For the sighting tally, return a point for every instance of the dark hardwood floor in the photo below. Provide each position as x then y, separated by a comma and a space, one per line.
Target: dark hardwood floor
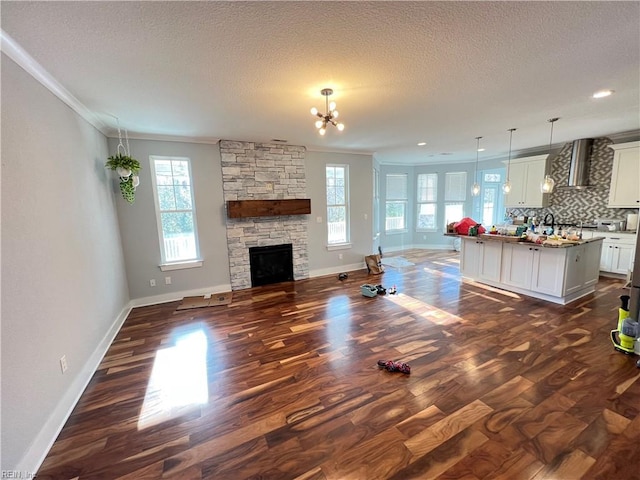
283, 384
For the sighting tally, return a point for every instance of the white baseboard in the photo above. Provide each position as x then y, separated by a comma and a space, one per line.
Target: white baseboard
321, 272
418, 246
37, 452
175, 296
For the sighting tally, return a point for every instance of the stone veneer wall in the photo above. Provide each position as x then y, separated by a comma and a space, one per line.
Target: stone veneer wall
263, 171
573, 206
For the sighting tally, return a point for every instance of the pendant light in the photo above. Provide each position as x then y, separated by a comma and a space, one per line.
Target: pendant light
475, 189
546, 185
506, 186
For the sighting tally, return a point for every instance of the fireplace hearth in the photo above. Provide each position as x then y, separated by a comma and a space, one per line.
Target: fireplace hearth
271, 264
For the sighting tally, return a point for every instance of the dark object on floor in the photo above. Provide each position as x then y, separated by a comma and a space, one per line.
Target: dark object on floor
393, 290
342, 276
392, 366
381, 290
368, 290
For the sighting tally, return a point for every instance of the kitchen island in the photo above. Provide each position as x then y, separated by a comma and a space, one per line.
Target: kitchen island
558, 274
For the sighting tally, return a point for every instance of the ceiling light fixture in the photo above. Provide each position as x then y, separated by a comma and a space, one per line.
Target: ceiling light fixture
546, 185
506, 186
602, 93
328, 117
422, 144
475, 189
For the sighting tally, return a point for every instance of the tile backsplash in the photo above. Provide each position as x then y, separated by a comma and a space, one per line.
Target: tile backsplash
572, 205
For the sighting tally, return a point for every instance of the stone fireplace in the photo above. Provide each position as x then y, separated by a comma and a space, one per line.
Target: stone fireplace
263, 171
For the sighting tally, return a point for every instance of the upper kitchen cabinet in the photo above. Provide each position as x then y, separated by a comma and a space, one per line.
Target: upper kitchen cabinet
525, 175
625, 177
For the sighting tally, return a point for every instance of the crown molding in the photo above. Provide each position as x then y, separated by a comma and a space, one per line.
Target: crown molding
165, 138
19, 55
337, 150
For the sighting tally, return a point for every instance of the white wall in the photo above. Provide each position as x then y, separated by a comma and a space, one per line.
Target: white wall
139, 229
64, 289
321, 260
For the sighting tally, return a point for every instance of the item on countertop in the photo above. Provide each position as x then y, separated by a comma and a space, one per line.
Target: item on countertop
462, 227
493, 230
392, 366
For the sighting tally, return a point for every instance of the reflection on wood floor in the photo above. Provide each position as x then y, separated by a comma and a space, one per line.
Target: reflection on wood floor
283, 384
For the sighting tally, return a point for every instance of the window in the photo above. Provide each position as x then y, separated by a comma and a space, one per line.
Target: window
337, 177
396, 203
175, 209
488, 206
426, 201
376, 202
455, 194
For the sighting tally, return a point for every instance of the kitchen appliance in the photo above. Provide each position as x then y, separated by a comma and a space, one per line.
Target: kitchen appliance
632, 221
580, 163
610, 224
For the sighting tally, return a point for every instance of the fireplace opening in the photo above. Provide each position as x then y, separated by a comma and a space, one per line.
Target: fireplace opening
271, 264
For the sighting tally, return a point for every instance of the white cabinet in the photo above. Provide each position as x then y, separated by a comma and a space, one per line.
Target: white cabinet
582, 268
618, 252
481, 259
625, 176
525, 175
533, 267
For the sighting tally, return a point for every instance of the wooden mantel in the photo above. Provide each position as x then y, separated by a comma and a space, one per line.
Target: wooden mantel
268, 208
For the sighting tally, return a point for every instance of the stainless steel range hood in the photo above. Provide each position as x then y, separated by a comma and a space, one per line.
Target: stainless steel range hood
580, 163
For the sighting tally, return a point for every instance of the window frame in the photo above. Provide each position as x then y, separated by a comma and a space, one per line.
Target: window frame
347, 241
403, 201
433, 202
165, 264
450, 197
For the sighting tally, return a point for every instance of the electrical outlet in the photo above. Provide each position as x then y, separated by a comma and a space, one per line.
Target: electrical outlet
152, 282
167, 280
63, 363
340, 256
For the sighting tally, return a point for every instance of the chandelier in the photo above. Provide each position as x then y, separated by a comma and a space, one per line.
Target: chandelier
328, 117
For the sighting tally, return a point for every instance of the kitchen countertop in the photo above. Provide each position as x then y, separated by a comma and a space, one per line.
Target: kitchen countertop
518, 241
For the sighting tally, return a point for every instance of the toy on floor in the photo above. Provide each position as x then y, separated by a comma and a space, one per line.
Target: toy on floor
392, 366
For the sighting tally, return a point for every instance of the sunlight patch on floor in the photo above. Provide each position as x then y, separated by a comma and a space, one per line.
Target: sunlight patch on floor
436, 315
178, 380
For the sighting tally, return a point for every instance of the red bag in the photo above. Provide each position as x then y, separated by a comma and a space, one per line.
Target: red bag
462, 227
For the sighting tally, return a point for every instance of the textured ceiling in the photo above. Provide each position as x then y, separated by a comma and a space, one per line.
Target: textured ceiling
402, 72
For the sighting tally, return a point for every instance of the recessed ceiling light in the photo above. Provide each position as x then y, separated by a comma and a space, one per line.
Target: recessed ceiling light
422, 144
602, 93
481, 149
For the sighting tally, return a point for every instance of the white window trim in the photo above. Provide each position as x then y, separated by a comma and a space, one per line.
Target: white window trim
347, 206
179, 265
339, 246
418, 203
405, 200
166, 267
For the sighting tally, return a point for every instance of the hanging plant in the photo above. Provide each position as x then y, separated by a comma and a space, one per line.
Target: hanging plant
126, 167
